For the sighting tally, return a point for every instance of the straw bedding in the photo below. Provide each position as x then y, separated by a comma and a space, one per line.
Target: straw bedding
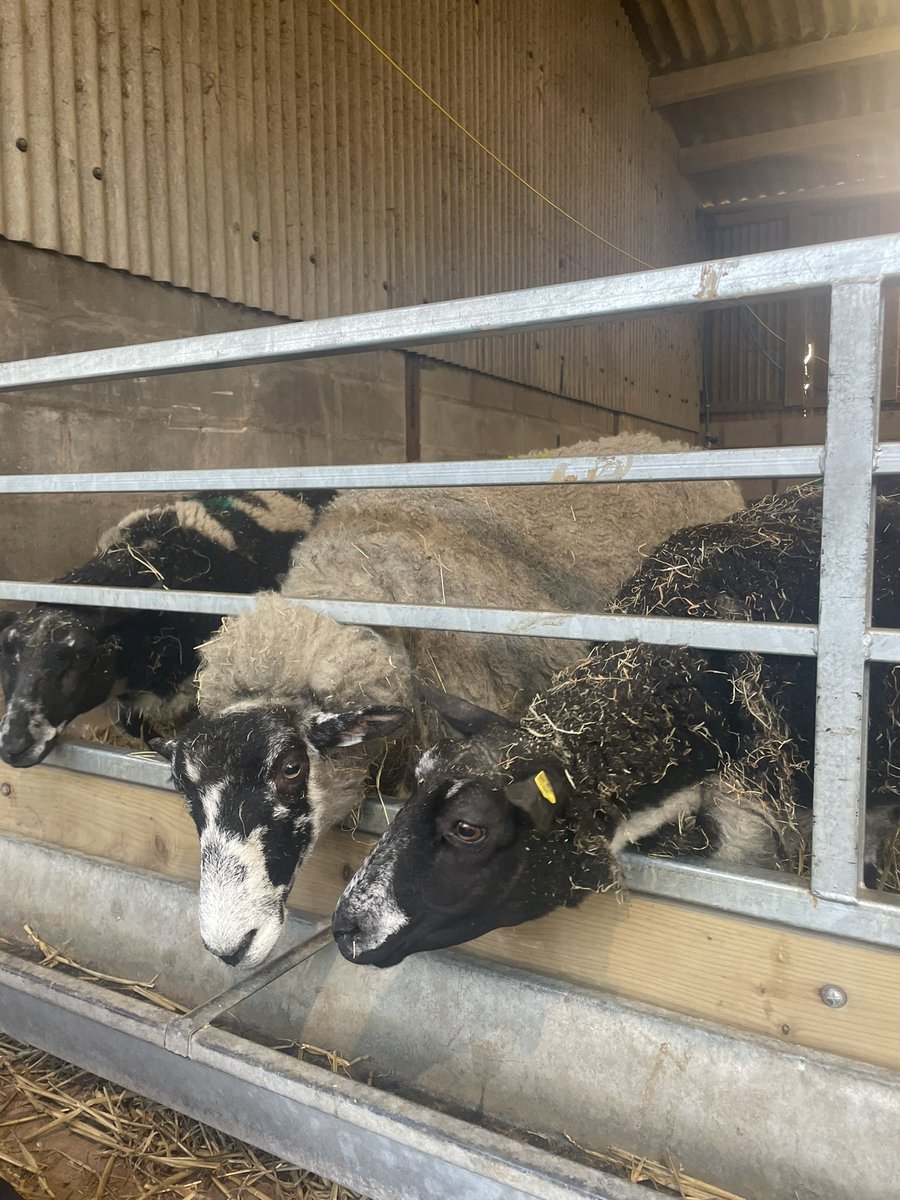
67, 1134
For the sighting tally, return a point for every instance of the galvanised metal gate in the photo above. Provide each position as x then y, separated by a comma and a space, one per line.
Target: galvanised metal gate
855, 272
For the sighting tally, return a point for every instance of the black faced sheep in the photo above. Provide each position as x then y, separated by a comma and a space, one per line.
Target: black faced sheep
57, 662
284, 692
677, 750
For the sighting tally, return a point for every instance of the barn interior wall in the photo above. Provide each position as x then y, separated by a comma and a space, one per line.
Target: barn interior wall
262, 152
760, 388
346, 409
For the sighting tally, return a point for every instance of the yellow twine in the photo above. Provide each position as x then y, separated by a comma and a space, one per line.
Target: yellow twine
505, 165
481, 146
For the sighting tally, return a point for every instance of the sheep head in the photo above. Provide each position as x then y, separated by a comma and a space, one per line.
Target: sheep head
485, 842
260, 783
54, 665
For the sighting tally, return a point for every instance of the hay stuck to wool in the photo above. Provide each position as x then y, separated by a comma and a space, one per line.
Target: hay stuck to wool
887, 867
631, 715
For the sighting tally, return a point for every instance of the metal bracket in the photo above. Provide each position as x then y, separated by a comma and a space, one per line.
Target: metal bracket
180, 1030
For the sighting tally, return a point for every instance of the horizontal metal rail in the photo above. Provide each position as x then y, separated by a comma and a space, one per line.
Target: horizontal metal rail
146, 769
766, 895
883, 645
787, 462
764, 462
765, 637
697, 285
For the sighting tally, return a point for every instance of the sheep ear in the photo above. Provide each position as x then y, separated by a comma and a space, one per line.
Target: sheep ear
543, 796
7, 617
330, 730
164, 747
461, 715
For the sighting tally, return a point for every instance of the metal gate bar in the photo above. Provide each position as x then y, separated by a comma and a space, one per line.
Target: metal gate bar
845, 601
695, 286
763, 463
855, 271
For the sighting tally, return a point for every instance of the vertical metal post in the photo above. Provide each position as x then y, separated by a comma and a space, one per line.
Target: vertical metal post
846, 582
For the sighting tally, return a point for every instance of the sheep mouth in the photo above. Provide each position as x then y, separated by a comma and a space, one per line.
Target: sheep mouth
387, 954
30, 756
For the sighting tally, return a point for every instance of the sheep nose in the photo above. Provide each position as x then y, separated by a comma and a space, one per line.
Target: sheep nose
16, 745
345, 929
13, 733
239, 951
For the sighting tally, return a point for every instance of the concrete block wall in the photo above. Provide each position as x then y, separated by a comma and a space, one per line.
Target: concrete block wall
467, 415
348, 409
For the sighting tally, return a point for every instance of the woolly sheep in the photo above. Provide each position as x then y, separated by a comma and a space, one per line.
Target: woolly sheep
672, 749
58, 661
285, 693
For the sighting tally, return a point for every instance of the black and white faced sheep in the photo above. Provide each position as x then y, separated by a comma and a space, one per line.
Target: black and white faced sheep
274, 675
675, 750
57, 662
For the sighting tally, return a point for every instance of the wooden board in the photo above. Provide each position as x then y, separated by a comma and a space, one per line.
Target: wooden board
740, 972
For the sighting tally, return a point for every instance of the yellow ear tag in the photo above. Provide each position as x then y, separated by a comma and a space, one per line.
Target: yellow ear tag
545, 787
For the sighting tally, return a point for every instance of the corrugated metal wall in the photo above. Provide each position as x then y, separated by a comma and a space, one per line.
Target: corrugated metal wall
741, 355
754, 365
261, 151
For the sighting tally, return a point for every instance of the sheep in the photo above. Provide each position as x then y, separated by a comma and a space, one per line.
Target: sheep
675, 750
287, 696
57, 662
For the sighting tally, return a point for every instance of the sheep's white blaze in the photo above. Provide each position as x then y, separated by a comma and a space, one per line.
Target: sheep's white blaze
211, 799
369, 898
678, 804
191, 769
5, 724
237, 897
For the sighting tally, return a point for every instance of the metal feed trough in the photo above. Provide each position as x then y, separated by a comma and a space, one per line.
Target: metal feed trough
390, 1146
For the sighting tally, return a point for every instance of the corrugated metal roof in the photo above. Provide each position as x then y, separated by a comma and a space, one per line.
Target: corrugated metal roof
679, 34
674, 34
851, 90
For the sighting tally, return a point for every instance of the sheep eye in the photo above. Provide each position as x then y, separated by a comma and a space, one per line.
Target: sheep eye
467, 833
292, 770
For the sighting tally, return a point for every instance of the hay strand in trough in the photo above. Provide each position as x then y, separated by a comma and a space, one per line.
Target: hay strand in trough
146, 989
